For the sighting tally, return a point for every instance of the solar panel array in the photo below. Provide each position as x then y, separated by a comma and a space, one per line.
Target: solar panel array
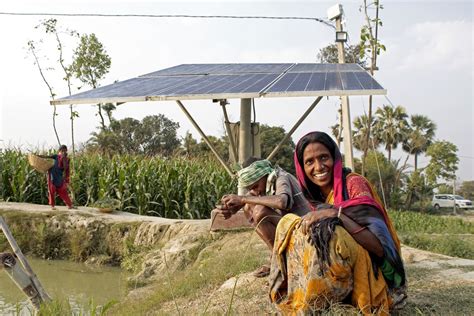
227, 81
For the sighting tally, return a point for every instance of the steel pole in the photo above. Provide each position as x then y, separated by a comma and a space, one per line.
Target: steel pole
346, 115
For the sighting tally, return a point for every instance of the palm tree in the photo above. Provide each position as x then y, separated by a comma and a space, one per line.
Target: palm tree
360, 137
420, 135
391, 126
336, 132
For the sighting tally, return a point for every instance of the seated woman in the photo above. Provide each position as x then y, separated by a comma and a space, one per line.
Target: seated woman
344, 251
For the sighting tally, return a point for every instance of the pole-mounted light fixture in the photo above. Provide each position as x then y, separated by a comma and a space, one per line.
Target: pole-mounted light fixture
341, 37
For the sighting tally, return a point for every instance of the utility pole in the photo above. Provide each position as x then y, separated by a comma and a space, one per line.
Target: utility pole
454, 196
335, 13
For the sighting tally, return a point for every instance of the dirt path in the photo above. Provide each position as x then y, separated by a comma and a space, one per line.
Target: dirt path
115, 216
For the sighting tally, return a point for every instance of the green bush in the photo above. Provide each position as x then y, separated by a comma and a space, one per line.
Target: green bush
451, 245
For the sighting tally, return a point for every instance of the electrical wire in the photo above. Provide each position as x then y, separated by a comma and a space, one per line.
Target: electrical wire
325, 22
376, 161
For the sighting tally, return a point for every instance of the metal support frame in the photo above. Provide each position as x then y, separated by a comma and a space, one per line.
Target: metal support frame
245, 130
234, 153
206, 140
297, 124
43, 296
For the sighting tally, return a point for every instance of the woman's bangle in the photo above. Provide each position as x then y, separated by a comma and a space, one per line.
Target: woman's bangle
339, 212
358, 230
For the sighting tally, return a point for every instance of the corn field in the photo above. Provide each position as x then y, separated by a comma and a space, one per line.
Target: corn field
175, 187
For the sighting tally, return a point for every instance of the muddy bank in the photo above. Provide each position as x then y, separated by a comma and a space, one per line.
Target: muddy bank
119, 239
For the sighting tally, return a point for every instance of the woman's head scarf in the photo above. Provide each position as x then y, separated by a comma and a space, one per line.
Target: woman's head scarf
310, 190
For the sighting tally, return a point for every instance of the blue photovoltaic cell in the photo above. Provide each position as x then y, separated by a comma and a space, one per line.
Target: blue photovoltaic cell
197, 69
350, 81
245, 83
326, 68
204, 81
134, 87
317, 82
367, 82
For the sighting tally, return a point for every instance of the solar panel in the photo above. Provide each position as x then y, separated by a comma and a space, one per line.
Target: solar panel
221, 81
220, 69
326, 68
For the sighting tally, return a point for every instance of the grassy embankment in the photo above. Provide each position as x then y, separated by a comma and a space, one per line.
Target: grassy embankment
196, 288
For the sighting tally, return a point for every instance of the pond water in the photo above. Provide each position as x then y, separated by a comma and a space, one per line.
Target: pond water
76, 282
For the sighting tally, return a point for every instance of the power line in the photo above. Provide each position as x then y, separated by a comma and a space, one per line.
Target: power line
325, 22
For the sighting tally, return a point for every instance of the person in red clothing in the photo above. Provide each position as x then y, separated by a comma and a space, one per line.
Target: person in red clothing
58, 178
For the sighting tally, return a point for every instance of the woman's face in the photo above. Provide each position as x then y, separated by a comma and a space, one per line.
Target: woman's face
318, 166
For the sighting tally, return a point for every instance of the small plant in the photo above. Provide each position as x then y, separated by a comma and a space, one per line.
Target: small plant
106, 204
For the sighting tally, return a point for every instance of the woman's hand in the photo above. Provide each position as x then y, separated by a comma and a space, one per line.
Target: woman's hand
312, 217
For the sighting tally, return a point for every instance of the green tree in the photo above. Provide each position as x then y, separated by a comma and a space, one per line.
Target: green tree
359, 137
91, 63
270, 136
383, 175
467, 190
390, 127
221, 144
443, 161
417, 188
352, 55
189, 144
445, 188
370, 46
420, 134
51, 27
154, 135
158, 135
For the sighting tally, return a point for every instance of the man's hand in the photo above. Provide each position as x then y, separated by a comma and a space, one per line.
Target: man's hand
232, 202
224, 213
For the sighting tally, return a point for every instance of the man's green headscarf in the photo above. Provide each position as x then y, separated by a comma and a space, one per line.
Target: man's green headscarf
254, 172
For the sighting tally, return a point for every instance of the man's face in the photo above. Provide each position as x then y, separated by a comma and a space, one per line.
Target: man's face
63, 152
258, 188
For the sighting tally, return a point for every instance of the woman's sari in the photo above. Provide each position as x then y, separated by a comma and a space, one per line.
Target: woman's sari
297, 285
354, 275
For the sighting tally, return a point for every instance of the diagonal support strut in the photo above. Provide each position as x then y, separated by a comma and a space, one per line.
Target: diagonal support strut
297, 124
206, 140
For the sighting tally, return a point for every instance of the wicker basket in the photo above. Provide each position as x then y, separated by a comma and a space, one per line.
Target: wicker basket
106, 209
40, 164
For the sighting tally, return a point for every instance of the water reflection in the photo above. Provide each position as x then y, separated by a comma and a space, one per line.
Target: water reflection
76, 282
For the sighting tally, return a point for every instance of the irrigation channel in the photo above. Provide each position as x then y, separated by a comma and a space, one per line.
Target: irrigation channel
65, 280
87, 235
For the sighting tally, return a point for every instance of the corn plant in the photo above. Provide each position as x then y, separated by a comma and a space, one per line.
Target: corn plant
174, 187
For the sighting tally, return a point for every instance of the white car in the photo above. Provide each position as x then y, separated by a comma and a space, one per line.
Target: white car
447, 200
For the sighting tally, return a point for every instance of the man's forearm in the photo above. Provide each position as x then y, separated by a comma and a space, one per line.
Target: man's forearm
274, 201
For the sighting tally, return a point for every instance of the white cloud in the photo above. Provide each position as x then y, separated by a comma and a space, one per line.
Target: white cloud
436, 44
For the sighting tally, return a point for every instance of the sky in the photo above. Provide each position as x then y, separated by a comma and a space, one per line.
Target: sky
427, 67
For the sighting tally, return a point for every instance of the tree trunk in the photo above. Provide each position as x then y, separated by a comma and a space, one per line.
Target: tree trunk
416, 161
54, 125
102, 121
